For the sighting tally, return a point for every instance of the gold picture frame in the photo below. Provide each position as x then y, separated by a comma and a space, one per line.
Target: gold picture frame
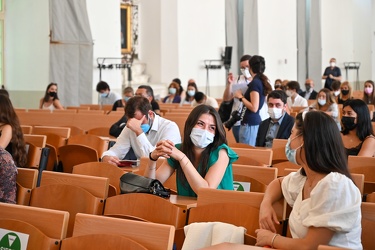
126, 32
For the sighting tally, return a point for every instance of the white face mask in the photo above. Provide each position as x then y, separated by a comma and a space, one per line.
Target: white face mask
322, 102
275, 113
336, 93
172, 91
333, 64
289, 93
291, 153
201, 138
191, 92
246, 72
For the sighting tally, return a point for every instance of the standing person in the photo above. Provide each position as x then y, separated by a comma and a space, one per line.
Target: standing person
294, 99
233, 84
310, 93
126, 95
8, 178
11, 136
50, 100
106, 96
253, 100
331, 73
190, 92
147, 92
143, 130
326, 203
326, 103
346, 92
279, 125
203, 159
357, 132
368, 92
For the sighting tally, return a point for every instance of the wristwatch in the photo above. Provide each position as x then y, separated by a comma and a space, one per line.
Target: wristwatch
240, 99
152, 159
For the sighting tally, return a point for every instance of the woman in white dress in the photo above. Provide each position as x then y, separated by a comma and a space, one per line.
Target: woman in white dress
326, 203
50, 100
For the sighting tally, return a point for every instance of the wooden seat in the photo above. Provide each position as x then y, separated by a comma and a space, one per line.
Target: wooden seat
26, 129
278, 148
72, 193
34, 154
26, 181
100, 241
370, 197
90, 140
285, 165
325, 247
91, 111
100, 131
255, 185
368, 225
71, 111
71, 155
36, 140
101, 169
154, 208
76, 131
363, 165
239, 145
52, 161
248, 155
45, 227
262, 174
150, 235
45, 130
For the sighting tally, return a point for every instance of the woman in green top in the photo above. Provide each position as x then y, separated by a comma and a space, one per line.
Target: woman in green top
202, 160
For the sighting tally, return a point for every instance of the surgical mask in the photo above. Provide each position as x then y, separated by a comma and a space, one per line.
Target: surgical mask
246, 72
103, 95
126, 98
172, 91
344, 91
201, 138
336, 93
275, 113
368, 90
333, 64
348, 122
52, 94
291, 153
146, 127
322, 102
289, 93
191, 92
308, 87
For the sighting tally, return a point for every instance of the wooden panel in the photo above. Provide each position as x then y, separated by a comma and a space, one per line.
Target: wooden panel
45, 130
27, 177
263, 156
262, 174
36, 140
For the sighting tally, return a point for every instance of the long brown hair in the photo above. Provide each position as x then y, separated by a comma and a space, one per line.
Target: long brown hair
9, 116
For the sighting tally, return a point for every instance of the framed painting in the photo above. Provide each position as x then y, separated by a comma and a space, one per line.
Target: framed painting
125, 17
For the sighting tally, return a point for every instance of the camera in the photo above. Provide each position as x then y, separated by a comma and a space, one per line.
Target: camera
235, 117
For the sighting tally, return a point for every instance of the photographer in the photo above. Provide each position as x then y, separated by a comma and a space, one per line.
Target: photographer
279, 125
233, 84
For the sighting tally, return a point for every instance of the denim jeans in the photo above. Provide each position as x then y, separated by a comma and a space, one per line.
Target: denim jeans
248, 134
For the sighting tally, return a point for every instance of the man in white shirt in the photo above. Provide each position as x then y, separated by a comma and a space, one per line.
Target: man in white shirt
105, 94
143, 130
200, 98
294, 99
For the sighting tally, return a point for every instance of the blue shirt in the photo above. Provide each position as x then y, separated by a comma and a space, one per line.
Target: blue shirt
250, 118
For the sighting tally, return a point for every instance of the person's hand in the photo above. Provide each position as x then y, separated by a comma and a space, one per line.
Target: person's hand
267, 217
135, 125
264, 237
230, 78
331, 76
238, 94
111, 159
166, 149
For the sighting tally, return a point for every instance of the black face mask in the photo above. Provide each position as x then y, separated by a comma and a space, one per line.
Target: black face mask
277, 86
344, 91
308, 87
348, 122
52, 94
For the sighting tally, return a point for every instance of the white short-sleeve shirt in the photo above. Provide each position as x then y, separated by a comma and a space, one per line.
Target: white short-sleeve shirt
334, 203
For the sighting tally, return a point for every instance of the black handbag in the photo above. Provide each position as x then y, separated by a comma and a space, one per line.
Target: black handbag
133, 183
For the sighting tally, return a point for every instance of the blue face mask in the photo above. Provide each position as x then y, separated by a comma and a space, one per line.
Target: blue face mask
146, 127
191, 92
172, 91
126, 98
103, 95
291, 153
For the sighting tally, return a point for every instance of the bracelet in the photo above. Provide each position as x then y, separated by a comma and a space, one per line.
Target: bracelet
240, 99
273, 239
149, 156
182, 158
151, 168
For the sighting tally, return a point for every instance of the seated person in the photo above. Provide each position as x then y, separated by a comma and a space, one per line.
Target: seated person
143, 130
106, 96
126, 95
294, 99
190, 92
357, 131
346, 92
326, 204
279, 125
8, 178
202, 160
148, 92
336, 89
310, 93
173, 94
50, 100
200, 98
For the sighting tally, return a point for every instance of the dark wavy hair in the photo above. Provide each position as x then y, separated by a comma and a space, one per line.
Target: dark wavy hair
9, 116
364, 126
47, 96
258, 66
137, 103
323, 146
187, 144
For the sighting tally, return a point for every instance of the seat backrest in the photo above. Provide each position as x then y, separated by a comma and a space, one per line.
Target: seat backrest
90, 140
100, 241
278, 148
44, 130
71, 155
285, 165
151, 235
255, 185
26, 181
26, 129
154, 208
37, 140
370, 197
52, 223
262, 174
362, 165
97, 186
325, 247
101, 169
264, 156
52, 161
100, 131
34, 154
368, 225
